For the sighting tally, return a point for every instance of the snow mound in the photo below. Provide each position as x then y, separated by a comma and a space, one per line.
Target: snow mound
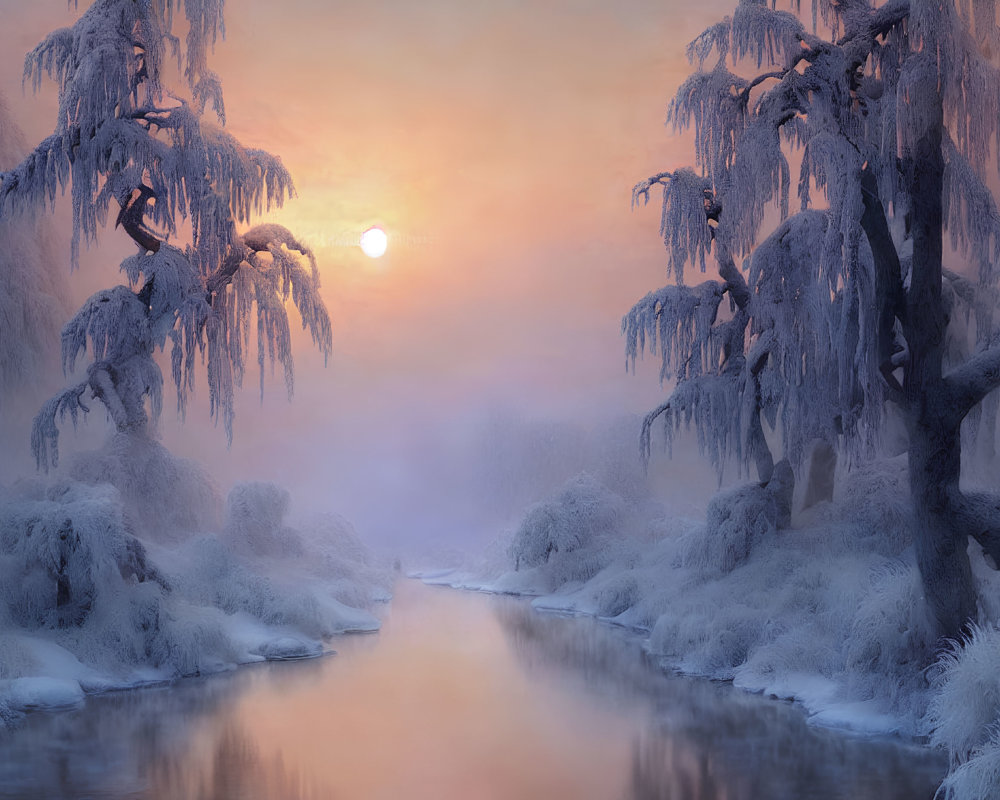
828, 611
288, 648
89, 601
29, 694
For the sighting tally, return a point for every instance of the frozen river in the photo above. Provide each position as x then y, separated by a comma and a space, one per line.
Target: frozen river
460, 696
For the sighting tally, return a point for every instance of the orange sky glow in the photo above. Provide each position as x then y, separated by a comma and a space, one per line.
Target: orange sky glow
497, 144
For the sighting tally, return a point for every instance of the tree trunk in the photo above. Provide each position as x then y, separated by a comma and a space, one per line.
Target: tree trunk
940, 540
932, 420
821, 475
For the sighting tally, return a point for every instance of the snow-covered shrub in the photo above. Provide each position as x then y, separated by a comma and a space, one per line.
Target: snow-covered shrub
255, 513
333, 552
292, 592
891, 634
569, 533
873, 499
966, 706
15, 658
617, 595
976, 778
965, 714
698, 641
325, 547
738, 520
64, 551
166, 496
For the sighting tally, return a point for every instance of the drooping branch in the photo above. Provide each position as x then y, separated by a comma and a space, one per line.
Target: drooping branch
645, 434
45, 432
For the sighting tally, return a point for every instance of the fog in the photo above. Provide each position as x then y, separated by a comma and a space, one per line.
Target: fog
491, 326
473, 420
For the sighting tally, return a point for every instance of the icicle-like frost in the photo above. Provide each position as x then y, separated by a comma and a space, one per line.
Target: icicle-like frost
714, 104
971, 216
675, 321
716, 37
683, 222
115, 128
768, 36
121, 141
706, 403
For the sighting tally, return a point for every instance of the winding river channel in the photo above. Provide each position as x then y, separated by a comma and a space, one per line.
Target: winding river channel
459, 696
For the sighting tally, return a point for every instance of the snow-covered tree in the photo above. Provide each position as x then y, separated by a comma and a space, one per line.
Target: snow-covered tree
125, 142
851, 306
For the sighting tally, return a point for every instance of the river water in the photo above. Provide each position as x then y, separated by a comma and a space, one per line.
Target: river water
459, 696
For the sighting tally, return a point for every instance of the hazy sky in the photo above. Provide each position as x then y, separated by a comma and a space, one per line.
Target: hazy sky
497, 143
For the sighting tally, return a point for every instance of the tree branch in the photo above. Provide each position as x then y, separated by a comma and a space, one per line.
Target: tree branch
979, 515
735, 282
642, 188
131, 219
968, 384
103, 387
889, 295
221, 278
645, 432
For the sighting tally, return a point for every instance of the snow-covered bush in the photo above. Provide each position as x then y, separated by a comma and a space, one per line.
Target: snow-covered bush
333, 552
255, 513
965, 714
325, 547
166, 496
966, 706
976, 778
65, 551
86, 602
569, 533
738, 520
874, 500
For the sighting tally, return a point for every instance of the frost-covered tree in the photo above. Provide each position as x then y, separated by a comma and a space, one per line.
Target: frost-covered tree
851, 306
125, 143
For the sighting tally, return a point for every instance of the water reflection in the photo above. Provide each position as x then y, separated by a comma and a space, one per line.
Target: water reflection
460, 696
704, 740
175, 741
236, 768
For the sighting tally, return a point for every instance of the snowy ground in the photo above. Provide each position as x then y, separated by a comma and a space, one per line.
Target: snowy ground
828, 612
109, 586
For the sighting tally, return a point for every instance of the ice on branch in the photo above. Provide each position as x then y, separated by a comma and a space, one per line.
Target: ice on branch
766, 35
675, 321
126, 145
853, 316
683, 223
714, 102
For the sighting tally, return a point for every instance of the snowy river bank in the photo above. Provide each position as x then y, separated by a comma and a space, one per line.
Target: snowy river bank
459, 695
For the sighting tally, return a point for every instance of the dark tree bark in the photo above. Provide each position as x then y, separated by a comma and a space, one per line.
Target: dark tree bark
933, 420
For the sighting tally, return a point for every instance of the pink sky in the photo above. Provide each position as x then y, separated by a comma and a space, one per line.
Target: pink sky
497, 143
